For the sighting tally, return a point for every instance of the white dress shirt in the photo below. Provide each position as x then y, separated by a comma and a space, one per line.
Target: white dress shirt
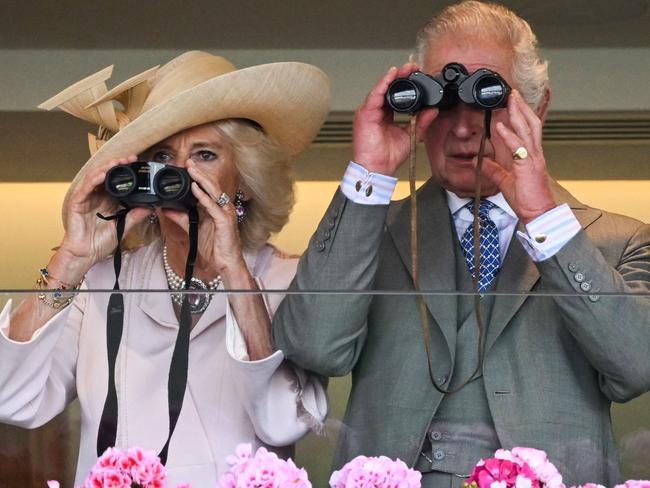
544, 236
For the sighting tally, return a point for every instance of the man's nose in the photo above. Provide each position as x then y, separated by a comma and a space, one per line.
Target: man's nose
467, 121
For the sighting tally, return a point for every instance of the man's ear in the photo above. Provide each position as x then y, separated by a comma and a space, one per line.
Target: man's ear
542, 110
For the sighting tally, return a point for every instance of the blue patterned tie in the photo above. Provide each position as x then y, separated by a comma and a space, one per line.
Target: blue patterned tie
489, 245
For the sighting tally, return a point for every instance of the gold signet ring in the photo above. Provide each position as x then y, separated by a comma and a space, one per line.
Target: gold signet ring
520, 153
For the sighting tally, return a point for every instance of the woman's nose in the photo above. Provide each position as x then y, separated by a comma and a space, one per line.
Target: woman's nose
180, 161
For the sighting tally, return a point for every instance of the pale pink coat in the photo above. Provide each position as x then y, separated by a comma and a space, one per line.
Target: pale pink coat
228, 399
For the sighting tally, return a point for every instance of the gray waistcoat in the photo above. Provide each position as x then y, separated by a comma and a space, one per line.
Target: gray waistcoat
462, 431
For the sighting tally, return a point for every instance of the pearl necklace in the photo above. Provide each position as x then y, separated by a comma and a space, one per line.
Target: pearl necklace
198, 301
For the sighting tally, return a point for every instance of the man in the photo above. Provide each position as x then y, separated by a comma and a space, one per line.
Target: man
552, 364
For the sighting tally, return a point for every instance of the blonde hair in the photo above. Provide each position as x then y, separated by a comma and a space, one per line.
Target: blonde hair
498, 23
266, 172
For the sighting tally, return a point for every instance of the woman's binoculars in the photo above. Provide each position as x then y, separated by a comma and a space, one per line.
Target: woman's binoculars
483, 89
150, 184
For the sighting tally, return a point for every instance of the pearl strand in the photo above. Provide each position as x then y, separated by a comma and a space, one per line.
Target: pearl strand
176, 283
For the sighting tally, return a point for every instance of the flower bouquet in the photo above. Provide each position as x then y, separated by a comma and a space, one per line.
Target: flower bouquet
133, 468
521, 467
375, 472
261, 470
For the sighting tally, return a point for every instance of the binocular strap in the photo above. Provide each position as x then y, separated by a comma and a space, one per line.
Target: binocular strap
177, 382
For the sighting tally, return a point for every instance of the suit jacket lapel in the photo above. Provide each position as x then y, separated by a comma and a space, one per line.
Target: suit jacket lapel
436, 259
519, 273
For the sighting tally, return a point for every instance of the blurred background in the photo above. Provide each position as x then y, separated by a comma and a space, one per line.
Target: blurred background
597, 138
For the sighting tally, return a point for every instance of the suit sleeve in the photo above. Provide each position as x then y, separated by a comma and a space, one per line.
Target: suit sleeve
38, 377
609, 318
325, 332
283, 401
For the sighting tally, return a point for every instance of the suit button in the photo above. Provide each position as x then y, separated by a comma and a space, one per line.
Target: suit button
585, 286
442, 379
320, 246
326, 234
579, 277
436, 436
335, 212
594, 298
331, 223
573, 267
438, 455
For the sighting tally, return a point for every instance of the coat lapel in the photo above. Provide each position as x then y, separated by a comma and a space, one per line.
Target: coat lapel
435, 254
516, 278
436, 257
158, 305
519, 273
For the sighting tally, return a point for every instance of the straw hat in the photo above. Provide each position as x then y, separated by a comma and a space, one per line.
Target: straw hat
288, 100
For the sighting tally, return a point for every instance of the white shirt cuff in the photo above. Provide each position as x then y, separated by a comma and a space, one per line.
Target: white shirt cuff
549, 232
5, 321
361, 186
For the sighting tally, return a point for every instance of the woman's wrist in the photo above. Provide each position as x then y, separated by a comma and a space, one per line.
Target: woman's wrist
67, 267
236, 276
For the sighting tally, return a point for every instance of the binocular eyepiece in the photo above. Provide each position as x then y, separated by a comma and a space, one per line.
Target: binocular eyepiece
150, 184
484, 89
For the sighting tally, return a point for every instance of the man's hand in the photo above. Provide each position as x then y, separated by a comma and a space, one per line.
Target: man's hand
523, 182
379, 145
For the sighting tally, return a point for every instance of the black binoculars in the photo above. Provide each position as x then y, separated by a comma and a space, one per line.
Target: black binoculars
150, 184
484, 89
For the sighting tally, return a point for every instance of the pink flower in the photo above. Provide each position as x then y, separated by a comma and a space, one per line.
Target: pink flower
110, 459
133, 467
635, 484
502, 473
589, 485
545, 471
522, 467
375, 472
53, 484
107, 478
262, 470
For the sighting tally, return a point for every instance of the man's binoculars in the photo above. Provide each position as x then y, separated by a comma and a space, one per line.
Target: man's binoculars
483, 89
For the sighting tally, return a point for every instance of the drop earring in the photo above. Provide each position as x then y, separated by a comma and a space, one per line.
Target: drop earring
240, 210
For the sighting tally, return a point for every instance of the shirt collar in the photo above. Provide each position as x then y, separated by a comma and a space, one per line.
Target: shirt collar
456, 203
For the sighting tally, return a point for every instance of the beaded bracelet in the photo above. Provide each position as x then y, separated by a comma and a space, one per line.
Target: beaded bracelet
61, 296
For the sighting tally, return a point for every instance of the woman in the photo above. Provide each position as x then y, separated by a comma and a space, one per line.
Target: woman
234, 131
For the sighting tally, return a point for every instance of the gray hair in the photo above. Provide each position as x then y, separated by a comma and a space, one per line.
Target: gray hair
494, 22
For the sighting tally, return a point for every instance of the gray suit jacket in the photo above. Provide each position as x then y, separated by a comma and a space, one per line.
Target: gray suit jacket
552, 365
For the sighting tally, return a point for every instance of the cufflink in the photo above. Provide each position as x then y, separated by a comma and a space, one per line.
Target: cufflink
540, 238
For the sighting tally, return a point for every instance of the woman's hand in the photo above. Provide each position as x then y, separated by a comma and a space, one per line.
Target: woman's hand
219, 244
89, 239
